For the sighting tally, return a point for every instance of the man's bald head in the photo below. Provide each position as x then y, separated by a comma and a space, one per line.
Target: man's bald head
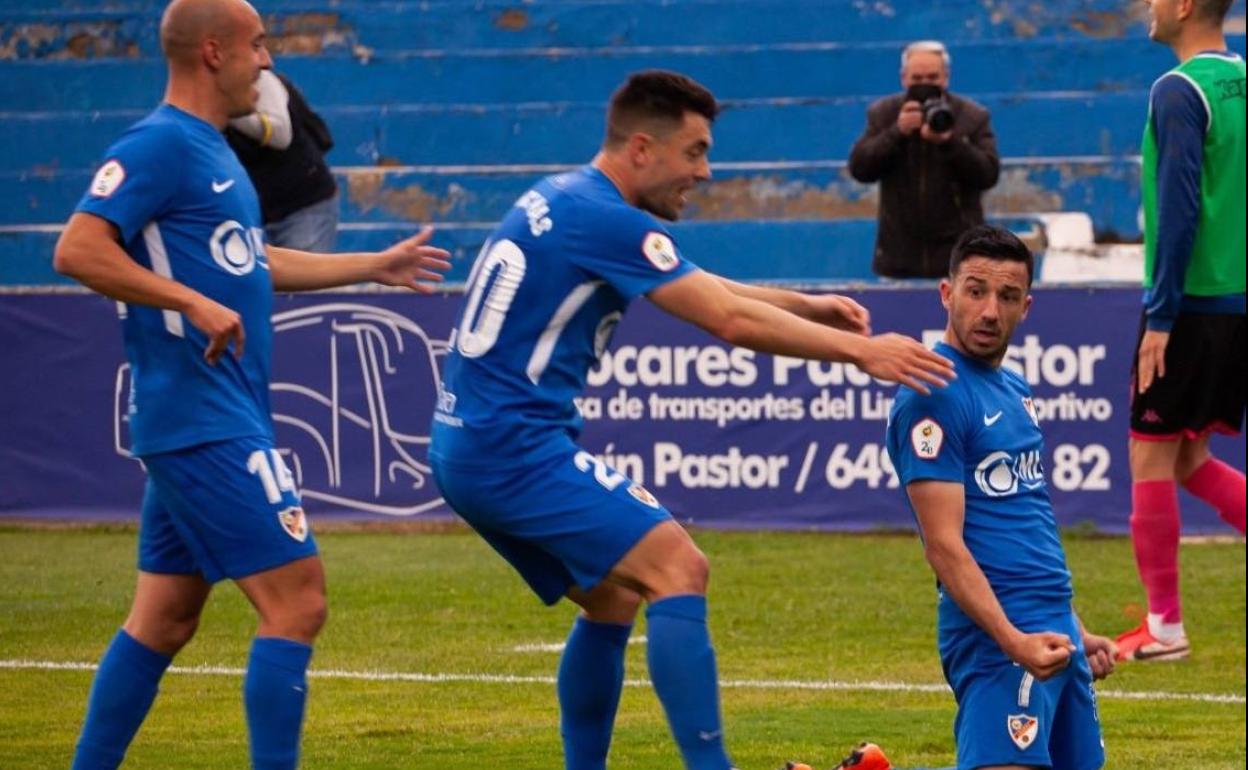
187, 23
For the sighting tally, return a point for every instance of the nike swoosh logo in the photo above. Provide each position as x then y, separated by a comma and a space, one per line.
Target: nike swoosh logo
220, 187
989, 421
1175, 650
704, 735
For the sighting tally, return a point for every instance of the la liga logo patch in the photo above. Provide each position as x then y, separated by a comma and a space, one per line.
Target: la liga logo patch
660, 250
108, 179
926, 437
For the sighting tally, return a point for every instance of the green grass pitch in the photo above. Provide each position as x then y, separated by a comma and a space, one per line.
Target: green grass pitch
805, 626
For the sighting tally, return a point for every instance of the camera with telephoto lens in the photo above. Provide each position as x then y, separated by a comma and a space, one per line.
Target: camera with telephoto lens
937, 113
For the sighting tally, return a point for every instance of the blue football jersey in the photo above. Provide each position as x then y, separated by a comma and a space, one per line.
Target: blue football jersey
542, 301
186, 210
982, 432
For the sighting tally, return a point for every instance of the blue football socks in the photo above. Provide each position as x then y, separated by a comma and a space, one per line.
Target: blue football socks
121, 696
274, 692
682, 667
591, 675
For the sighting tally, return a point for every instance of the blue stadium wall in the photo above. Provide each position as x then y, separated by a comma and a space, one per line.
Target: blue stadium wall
445, 111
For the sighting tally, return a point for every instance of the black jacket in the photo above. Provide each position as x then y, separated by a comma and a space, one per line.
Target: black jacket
929, 193
291, 179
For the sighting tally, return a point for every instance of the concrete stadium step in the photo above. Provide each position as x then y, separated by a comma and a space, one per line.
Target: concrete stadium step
94, 28
1042, 124
789, 250
1107, 189
509, 77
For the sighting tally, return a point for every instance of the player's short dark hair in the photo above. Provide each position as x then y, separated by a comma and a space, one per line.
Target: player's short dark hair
992, 243
656, 96
1213, 10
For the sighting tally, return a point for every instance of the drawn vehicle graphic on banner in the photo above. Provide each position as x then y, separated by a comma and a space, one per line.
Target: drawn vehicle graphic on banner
352, 398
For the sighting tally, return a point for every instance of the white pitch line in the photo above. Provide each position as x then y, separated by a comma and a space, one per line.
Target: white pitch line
558, 646
729, 684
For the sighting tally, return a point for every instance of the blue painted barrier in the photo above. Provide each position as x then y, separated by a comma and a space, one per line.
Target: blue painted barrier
509, 77
1080, 124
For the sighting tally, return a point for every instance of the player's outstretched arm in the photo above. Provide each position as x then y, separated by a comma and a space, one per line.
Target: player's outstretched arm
89, 252
703, 300
833, 310
941, 510
410, 263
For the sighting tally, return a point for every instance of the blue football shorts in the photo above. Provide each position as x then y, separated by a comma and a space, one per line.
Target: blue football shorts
1006, 717
228, 509
560, 523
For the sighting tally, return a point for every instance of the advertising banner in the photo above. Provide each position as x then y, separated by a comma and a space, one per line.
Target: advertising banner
723, 436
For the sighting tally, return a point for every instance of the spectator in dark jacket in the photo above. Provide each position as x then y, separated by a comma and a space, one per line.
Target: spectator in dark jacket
282, 145
931, 180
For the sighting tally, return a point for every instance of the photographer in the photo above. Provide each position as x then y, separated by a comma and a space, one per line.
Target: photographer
933, 154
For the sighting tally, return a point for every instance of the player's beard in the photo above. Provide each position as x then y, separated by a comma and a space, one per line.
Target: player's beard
666, 205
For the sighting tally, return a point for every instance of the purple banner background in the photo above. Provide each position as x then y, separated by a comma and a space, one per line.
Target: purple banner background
724, 437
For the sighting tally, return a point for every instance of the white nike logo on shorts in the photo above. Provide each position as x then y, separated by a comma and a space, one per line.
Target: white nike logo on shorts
220, 187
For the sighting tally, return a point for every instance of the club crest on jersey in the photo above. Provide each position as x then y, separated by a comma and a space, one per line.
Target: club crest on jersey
295, 522
1023, 729
660, 250
108, 179
1029, 405
927, 437
642, 495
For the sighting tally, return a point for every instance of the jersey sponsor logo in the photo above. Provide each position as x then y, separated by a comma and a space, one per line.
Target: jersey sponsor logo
220, 187
236, 248
927, 437
295, 522
643, 496
1023, 729
990, 421
1000, 473
108, 179
660, 250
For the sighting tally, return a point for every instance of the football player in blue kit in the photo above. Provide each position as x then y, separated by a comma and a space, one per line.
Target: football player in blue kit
542, 300
171, 229
1019, 661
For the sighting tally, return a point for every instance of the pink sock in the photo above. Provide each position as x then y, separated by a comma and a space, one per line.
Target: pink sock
1155, 535
1221, 486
